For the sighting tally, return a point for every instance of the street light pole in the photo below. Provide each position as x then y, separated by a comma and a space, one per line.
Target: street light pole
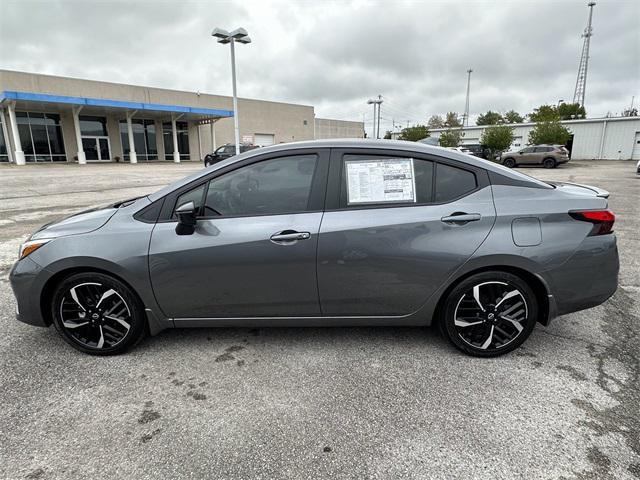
238, 35
236, 125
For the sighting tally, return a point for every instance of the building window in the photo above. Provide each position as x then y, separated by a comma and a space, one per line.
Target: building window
93, 126
4, 154
182, 129
41, 137
144, 139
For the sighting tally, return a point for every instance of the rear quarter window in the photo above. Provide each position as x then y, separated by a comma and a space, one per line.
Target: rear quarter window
453, 182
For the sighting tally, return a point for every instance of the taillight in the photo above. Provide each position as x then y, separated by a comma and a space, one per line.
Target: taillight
602, 220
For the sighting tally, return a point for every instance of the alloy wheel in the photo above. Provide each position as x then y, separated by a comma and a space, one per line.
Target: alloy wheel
95, 315
491, 315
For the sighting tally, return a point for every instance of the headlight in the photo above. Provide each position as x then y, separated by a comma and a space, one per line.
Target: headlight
27, 248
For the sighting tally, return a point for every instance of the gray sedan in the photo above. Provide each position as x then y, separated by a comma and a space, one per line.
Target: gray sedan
340, 232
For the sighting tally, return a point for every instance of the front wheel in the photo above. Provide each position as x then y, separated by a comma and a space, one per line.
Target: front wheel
489, 314
97, 314
549, 163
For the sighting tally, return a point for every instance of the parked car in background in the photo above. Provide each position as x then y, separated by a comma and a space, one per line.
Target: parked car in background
461, 150
478, 150
321, 233
226, 151
549, 156
638, 168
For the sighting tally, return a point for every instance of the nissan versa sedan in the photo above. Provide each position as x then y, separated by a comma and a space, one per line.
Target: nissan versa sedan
320, 233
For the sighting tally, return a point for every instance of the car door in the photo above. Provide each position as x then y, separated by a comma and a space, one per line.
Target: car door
384, 250
253, 251
527, 156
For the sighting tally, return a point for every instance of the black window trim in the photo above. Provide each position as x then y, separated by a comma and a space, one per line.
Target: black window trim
316, 196
334, 186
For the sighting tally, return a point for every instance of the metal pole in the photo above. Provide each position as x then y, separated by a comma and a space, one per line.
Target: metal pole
465, 120
379, 105
373, 132
235, 95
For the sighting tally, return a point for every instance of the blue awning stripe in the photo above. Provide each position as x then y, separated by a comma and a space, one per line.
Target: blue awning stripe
103, 102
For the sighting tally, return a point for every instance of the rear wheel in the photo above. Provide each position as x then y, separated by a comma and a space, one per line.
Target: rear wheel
97, 314
549, 163
489, 314
509, 162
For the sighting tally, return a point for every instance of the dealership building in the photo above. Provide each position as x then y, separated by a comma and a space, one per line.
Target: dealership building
46, 118
609, 138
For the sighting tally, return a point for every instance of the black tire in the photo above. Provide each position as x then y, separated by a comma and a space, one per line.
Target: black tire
509, 162
486, 333
207, 161
97, 314
549, 163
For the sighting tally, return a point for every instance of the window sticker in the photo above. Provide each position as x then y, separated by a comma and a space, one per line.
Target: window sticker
389, 180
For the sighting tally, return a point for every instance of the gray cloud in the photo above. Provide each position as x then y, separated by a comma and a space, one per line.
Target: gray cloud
335, 55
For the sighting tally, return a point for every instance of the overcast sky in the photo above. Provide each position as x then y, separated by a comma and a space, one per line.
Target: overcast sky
336, 55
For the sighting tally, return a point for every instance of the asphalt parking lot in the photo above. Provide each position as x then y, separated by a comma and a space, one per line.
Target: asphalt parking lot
356, 403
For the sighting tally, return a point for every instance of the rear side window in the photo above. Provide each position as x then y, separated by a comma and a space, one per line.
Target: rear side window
381, 180
452, 182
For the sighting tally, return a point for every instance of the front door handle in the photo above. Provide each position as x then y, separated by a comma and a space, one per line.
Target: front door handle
461, 218
288, 237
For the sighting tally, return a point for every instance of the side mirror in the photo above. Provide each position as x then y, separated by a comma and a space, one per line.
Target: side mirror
186, 218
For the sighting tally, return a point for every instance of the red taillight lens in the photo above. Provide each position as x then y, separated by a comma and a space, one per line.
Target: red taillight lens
602, 220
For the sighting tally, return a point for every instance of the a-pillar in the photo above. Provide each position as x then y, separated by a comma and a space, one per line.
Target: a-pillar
82, 158
133, 158
18, 154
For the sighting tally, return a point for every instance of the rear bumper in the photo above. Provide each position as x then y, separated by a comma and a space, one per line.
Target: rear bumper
26, 283
588, 278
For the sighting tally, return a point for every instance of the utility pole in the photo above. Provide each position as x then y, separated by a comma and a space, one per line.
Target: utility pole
379, 105
465, 117
581, 81
376, 103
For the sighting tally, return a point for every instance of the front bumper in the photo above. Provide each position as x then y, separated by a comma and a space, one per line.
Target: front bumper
26, 283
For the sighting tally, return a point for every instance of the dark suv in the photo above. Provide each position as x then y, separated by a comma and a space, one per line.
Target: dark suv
549, 156
226, 151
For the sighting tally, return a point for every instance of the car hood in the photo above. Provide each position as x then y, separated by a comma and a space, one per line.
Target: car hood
81, 222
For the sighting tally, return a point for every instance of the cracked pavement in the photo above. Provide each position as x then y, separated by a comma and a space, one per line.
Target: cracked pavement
316, 403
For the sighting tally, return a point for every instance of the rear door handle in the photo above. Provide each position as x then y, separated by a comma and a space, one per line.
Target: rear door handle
289, 236
461, 218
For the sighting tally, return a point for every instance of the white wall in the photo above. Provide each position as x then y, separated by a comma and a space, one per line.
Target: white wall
587, 140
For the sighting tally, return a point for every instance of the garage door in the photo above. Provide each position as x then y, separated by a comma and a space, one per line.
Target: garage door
635, 153
264, 139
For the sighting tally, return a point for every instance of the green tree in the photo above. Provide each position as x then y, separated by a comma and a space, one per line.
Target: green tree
497, 138
387, 135
568, 111
550, 132
450, 137
489, 118
435, 121
630, 112
513, 117
451, 120
544, 113
415, 133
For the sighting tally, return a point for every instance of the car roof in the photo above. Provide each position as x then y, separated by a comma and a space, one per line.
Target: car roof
402, 145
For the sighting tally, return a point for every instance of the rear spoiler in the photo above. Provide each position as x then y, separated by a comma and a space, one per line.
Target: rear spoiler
598, 191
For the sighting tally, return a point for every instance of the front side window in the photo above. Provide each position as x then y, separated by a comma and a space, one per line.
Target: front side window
527, 150
195, 195
271, 187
